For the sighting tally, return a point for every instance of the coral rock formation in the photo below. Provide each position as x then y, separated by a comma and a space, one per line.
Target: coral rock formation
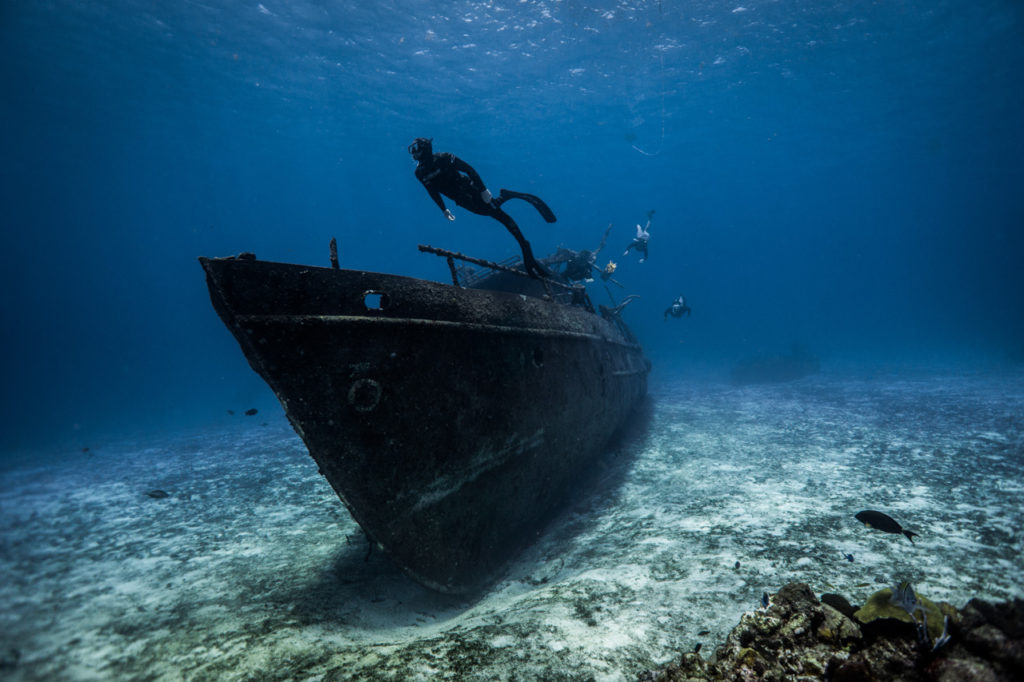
798, 637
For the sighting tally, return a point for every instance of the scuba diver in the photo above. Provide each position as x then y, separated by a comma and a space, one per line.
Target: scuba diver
642, 237
447, 174
579, 264
678, 308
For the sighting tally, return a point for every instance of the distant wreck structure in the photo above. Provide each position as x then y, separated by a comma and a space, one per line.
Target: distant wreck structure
451, 419
773, 369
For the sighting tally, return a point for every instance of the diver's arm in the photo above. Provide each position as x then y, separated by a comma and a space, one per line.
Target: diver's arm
464, 167
436, 196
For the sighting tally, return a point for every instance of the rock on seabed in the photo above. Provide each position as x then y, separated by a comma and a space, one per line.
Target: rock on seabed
797, 637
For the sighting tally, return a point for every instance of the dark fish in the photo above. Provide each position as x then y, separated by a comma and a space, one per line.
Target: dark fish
849, 557
85, 449
703, 632
157, 494
764, 599
882, 522
696, 649
737, 566
251, 411
231, 412
839, 603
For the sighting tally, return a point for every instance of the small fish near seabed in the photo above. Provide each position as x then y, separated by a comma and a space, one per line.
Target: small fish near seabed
883, 522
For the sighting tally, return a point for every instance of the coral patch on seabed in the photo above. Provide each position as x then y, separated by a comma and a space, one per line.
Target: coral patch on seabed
800, 638
223, 555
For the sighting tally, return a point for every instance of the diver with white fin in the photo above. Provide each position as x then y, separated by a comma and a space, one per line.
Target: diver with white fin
447, 174
642, 237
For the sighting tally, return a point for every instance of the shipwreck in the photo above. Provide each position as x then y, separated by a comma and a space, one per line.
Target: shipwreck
451, 419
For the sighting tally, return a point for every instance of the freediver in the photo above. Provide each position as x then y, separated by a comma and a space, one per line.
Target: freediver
447, 174
642, 237
580, 264
678, 308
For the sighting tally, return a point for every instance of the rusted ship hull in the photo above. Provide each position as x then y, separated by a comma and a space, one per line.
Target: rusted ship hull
451, 422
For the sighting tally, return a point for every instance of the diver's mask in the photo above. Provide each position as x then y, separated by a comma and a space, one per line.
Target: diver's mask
421, 147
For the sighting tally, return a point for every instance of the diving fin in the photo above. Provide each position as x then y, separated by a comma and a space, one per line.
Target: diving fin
537, 202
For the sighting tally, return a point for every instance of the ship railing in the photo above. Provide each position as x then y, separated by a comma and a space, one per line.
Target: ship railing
574, 294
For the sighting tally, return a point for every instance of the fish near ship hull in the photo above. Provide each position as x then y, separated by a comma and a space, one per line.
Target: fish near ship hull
451, 422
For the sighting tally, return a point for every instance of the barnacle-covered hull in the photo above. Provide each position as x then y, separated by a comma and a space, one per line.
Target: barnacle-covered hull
451, 422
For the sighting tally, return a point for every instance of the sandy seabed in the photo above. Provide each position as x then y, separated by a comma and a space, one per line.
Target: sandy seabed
252, 569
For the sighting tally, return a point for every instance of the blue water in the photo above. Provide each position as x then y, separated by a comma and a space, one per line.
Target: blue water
844, 175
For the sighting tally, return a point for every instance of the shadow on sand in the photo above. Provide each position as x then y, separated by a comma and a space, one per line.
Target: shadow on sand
368, 582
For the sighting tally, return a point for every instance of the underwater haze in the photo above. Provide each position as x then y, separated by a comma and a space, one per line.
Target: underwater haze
843, 178
843, 175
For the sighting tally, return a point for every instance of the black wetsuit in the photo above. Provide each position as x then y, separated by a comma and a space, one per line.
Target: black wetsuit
640, 245
578, 267
447, 174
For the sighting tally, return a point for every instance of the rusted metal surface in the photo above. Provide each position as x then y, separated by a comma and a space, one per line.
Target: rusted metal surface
451, 422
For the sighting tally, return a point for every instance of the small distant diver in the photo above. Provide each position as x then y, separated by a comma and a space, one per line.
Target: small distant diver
447, 174
580, 265
883, 522
678, 308
642, 237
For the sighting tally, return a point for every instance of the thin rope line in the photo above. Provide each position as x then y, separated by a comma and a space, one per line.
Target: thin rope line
661, 145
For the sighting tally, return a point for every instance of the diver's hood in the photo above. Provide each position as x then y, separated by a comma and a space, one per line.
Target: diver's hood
421, 147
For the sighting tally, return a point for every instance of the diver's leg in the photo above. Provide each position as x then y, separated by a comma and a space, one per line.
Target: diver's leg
532, 265
537, 202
